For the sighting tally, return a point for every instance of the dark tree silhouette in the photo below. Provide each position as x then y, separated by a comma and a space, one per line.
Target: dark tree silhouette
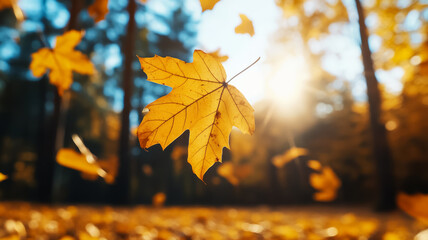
382, 153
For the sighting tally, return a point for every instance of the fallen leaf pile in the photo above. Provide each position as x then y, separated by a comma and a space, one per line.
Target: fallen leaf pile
33, 221
201, 100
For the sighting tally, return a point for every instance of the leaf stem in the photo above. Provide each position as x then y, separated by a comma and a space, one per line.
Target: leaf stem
243, 70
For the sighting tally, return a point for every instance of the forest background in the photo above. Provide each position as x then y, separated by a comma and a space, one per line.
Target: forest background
308, 91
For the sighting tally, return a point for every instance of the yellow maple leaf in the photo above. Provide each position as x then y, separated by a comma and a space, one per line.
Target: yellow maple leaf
327, 184
246, 26
98, 10
414, 205
77, 161
287, 156
201, 100
61, 61
208, 4
2, 177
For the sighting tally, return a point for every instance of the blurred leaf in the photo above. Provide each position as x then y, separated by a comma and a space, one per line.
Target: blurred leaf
415, 205
201, 100
74, 160
61, 60
208, 4
234, 173
327, 183
98, 10
246, 26
290, 154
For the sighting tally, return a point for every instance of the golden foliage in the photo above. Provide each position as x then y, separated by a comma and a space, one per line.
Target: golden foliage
62, 60
208, 4
287, 156
414, 205
98, 10
201, 100
246, 26
327, 183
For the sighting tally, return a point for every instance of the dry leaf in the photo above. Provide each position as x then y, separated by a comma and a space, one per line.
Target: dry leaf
221, 58
246, 26
201, 100
98, 10
327, 183
158, 199
74, 160
61, 61
292, 153
208, 4
2, 177
415, 205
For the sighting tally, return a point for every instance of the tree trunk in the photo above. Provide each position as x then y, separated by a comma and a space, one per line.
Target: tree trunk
121, 193
384, 165
51, 141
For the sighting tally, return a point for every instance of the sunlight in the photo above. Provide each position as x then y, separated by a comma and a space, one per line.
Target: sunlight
287, 84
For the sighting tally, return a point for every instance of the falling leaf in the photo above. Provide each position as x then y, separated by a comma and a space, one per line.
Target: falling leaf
158, 199
414, 205
221, 58
314, 164
246, 26
327, 183
74, 160
5, 4
292, 153
201, 100
98, 10
2, 177
14, 5
61, 60
208, 4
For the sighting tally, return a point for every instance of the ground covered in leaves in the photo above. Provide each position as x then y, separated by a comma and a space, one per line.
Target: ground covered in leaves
32, 221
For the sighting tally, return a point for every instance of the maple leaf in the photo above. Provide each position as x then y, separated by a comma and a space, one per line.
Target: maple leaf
201, 100
414, 205
61, 61
208, 4
74, 160
98, 10
246, 26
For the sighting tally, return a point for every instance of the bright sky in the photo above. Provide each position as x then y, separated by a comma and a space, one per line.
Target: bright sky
216, 32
